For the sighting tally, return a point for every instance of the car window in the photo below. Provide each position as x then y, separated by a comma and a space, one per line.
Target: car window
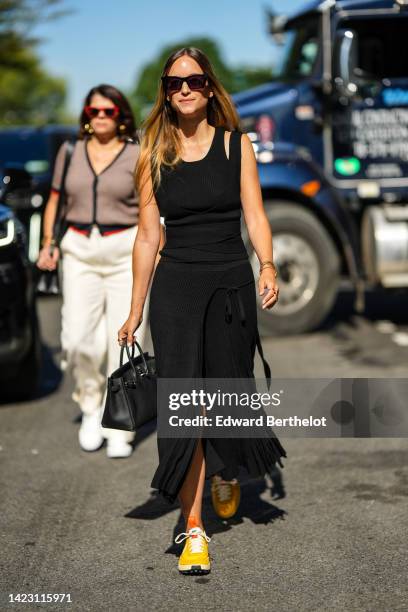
381, 45
297, 57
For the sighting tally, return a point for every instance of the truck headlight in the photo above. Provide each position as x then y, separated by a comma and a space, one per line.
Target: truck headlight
13, 231
7, 232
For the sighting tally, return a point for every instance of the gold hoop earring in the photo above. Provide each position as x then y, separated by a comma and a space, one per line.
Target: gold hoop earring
89, 128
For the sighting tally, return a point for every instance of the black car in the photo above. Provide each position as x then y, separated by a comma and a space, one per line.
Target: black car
20, 346
31, 151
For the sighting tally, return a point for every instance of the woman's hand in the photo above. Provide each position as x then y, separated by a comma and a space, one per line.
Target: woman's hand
48, 258
125, 334
267, 281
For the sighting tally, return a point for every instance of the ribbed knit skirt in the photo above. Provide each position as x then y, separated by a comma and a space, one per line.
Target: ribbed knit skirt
203, 321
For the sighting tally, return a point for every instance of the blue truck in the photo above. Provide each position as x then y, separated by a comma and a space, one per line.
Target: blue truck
330, 133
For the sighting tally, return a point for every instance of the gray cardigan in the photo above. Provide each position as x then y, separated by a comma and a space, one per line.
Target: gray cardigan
109, 198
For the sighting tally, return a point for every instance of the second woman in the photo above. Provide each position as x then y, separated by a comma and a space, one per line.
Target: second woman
102, 219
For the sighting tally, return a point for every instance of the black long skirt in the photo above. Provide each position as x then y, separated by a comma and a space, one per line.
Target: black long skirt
203, 321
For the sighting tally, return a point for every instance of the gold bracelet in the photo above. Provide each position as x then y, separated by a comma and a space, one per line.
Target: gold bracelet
46, 239
268, 264
273, 268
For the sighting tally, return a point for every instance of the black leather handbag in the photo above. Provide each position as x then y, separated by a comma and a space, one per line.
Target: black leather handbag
48, 280
131, 399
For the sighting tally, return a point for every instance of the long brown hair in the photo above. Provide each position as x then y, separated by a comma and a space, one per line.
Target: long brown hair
125, 119
161, 143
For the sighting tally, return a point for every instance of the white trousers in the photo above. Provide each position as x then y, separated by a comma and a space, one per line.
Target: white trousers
97, 291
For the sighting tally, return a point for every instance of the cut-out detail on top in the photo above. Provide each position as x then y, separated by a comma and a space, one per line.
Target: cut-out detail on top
227, 141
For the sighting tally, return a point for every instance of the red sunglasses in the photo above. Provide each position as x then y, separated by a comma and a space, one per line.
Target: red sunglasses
110, 111
195, 82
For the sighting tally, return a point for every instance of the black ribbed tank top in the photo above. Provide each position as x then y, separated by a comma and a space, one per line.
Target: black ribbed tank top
201, 205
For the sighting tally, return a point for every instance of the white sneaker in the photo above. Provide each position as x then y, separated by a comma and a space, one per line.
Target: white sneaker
90, 432
117, 449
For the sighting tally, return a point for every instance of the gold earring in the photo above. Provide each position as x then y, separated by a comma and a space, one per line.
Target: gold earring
89, 128
122, 127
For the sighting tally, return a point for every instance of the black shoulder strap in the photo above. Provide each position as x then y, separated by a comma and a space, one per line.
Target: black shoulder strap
69, 148
267, 369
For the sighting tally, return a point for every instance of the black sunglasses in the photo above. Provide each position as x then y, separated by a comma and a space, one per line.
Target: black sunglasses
195, 82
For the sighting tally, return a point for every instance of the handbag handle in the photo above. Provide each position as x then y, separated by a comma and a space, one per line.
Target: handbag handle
130, 357
122, 348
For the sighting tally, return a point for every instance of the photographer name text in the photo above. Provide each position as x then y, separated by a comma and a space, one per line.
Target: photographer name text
259, 421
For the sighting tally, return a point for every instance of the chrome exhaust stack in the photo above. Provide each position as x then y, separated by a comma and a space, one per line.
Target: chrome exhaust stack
384, 240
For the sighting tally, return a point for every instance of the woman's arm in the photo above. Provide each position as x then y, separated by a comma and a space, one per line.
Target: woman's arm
161, 244
257, 222
144, 256
46, 260
50, 213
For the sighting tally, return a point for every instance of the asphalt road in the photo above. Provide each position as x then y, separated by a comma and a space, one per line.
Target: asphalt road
335, 540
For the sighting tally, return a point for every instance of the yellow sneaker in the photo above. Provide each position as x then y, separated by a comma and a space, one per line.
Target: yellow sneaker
195, 558
225, 495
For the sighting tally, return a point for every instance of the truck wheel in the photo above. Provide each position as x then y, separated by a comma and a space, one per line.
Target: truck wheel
308, 270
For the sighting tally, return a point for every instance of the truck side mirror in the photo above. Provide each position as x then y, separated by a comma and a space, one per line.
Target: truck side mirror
345, 62
276, 26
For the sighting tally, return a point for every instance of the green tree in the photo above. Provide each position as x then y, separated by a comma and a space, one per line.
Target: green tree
233, 78
29, 94
245, 77
17, 19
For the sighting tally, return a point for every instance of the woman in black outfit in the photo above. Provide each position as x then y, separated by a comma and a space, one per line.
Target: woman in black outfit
198, 171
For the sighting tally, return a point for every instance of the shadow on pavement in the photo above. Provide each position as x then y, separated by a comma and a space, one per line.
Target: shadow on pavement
379, 305
51, 373
252, 506
155, 507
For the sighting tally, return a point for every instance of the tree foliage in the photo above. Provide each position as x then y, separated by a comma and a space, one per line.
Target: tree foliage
29, 94
233, 78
